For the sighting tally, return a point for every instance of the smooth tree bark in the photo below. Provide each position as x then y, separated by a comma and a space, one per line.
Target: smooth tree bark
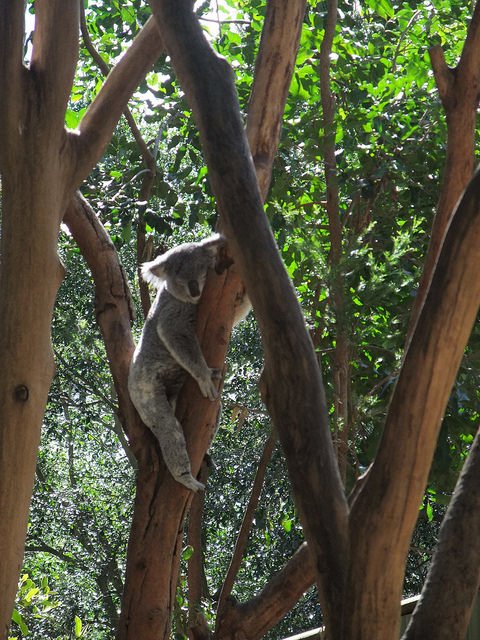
458, 91
34, 165
385, 509
444, 613
41, 164
295, 390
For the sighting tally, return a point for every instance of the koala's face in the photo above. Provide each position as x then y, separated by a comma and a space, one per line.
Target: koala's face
184, 268
186, 272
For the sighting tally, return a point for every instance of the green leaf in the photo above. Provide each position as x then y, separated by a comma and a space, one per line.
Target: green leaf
187, 552
429, 512
17, 618
287, 524
78, 627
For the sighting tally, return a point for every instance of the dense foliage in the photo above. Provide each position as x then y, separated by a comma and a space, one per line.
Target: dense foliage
390, 138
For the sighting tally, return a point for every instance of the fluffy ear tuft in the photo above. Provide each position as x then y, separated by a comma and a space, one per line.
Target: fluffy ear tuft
213, 243
154, 272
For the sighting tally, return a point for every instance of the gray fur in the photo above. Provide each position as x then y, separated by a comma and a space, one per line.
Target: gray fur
169, 348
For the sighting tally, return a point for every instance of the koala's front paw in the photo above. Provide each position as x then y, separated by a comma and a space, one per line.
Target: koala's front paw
208, 387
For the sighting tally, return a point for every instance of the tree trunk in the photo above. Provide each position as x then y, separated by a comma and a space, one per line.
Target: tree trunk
33, 161
385, 509
295, 390
40, 164
444, 613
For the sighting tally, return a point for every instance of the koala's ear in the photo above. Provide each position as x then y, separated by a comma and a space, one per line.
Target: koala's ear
214, 243
154, 272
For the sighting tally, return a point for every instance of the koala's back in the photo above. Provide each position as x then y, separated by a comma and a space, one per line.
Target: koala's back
152, 358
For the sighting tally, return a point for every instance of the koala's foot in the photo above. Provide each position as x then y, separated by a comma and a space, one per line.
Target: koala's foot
190, 482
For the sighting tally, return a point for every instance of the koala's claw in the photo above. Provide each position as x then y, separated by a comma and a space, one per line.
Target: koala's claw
207, 386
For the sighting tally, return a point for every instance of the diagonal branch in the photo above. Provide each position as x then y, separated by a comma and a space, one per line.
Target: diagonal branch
458, 90
242, 538
148, 160
295, 395
97, 125
113, 305
254, 618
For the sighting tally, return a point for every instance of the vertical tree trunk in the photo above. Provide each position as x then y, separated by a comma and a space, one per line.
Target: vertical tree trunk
33, 164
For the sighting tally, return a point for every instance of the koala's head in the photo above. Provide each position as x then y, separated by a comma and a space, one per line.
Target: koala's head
183, 269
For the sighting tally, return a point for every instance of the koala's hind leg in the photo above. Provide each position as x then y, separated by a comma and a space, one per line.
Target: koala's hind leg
157, 413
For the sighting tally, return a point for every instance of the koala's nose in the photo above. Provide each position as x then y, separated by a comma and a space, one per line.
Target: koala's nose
194, 289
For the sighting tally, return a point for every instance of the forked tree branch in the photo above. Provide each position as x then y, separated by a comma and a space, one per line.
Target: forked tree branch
458, 90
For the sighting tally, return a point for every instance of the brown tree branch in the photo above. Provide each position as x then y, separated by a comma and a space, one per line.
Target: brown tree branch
385, 509
458, 89
54, 55
470, 56
242, 538
113, 306
444, 76
148, 160
254, 618
291, 370
273, 73
444, 613
97, 125
12, 73
341, 355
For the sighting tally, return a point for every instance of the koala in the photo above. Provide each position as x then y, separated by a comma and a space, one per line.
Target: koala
169, 348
